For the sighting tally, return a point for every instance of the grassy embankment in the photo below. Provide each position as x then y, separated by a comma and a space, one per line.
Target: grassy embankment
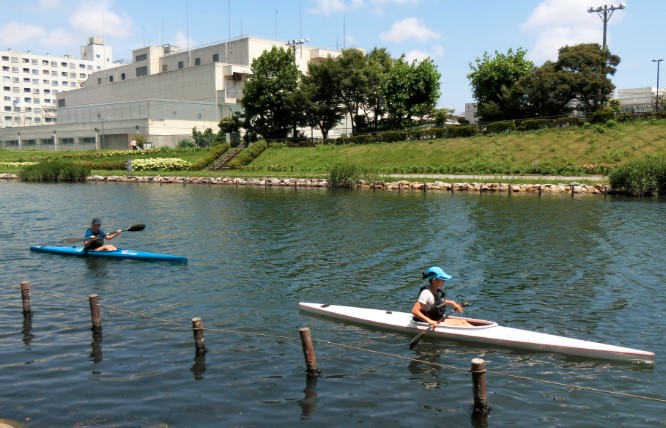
568, 151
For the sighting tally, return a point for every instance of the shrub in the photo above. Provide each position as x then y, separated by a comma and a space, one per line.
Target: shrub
347, 175
532, 124
461, 131
54, 171
247, 155
214, 153
392, 136
645, 177
501, 126
602, 116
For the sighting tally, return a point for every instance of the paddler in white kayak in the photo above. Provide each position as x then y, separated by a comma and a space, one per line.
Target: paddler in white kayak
431, 304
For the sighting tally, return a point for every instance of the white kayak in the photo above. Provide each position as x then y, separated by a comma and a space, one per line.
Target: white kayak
481, 331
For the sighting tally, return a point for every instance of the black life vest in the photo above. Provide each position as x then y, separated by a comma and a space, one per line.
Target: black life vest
437, 311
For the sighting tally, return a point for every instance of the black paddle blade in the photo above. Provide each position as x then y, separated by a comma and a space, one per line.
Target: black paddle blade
136, 228
418, 337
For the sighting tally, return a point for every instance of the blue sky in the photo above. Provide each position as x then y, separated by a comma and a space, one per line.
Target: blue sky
452, 32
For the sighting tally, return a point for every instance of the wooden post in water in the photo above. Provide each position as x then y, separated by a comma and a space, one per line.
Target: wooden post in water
572, 190
197, 327
308, 352
95, 314
479, 387
25, 296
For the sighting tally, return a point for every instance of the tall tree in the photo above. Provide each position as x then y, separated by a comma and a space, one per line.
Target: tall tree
269, 97
321, 95
588, 66
354, 82
411, 92
492, 80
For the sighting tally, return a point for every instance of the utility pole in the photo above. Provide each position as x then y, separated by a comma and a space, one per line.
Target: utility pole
605, 12
656, 102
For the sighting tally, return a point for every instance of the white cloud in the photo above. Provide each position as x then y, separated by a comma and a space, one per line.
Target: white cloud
559, 23
327, 7
417, 55
183, 42
97, 18
16, 33
58, 39
407, 29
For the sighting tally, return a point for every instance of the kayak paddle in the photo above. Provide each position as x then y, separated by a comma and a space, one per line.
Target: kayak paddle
132, 228
418, 337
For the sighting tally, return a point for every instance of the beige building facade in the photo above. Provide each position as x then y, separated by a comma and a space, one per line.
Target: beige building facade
162, 95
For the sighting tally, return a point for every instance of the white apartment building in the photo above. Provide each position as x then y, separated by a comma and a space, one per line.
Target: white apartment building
31, 82
639, 100
162, 94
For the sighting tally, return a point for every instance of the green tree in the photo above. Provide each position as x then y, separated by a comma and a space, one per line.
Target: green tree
588, 67
544, 92
492, 80
577, 80
321, 95
379, 66
354, 83
411, 92
269, 97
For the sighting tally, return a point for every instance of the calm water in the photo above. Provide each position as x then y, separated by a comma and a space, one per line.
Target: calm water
589, 267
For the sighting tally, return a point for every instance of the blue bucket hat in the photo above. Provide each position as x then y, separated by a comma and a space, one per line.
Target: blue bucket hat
436, 272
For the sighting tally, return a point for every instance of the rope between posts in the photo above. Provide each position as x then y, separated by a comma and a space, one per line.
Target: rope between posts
386, 354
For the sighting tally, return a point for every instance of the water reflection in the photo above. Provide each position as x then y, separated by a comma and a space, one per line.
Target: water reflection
27, 330
199, 367
96, 347
309, 403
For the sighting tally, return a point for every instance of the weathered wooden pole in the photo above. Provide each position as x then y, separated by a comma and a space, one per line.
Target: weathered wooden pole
197, 328
309, 353
95, 313
572, 190
479, 387
25, 296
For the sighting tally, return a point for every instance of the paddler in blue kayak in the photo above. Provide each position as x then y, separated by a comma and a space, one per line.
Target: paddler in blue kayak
95, 237
431, 304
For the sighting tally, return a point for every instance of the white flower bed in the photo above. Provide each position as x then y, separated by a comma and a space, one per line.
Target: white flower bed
160, 164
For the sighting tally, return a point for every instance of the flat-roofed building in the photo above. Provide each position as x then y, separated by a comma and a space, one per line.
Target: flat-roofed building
162, 94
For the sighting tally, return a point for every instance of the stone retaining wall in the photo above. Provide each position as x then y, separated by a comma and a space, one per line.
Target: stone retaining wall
381, 185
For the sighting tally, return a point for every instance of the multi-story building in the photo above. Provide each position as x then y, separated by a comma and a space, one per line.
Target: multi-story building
31, 82
162, 95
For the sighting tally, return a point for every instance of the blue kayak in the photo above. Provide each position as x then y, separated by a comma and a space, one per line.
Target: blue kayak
120, 253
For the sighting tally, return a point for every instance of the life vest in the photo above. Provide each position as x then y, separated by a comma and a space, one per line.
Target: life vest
437, 311
97, 242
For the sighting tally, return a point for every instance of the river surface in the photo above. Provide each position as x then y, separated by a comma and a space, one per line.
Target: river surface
590, 267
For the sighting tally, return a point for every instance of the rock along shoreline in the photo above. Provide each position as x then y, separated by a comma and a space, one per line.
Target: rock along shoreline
401, 185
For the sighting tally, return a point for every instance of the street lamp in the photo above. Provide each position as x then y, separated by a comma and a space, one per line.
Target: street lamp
605, 12
656, 102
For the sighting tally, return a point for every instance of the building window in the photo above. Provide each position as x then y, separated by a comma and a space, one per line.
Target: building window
197, 61
141, 71
61, 102
180, 64
122, 76
63, 64
216, 57
99, 80
141, 57
27, 90
165, 68
111, 79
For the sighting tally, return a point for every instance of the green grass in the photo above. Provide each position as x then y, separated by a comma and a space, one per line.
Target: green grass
596, 149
